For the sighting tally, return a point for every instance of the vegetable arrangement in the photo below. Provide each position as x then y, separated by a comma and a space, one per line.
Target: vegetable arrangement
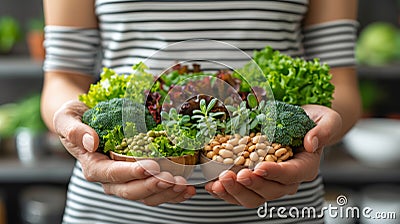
137, 115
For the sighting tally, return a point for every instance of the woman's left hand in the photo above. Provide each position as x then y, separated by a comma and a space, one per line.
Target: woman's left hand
270, 181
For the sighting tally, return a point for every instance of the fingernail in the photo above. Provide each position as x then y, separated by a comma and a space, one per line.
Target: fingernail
264, 174
88, 142
163, 185
221, 194
187, 196
315, 144
245, 181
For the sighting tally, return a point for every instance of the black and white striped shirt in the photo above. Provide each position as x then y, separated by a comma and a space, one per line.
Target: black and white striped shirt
157, 32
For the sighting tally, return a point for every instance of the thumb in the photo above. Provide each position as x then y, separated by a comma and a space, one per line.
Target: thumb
329, 125
321, 135
74, 134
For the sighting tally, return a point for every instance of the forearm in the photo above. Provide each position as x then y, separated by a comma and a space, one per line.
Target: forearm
59, 88
347, 100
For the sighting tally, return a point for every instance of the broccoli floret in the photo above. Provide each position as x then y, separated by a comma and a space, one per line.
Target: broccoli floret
292, 124
105, 116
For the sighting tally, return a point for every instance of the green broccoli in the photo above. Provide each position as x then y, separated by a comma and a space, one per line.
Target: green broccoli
292, 124
106, 118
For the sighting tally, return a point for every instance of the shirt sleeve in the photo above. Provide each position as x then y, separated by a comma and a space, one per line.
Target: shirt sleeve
71, 49
332, 42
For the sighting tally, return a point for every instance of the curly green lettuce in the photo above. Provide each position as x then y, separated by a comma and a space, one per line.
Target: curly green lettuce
112, 85
292, 80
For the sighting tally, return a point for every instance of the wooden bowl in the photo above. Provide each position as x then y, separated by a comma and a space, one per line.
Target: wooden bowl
177, 166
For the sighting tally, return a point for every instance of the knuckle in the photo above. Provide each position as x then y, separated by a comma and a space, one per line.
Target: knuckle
71, 133
110, 174
89, 174
313, 176
107, 189
293, 189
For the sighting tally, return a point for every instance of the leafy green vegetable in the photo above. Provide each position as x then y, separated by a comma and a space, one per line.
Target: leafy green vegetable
106, 119
240, 120
178, 126
207, 123
292, 80
112, 85
164, 147
140, 81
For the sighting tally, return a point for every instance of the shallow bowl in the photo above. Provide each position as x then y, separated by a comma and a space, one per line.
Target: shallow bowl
375, 142
177, 166
211, 168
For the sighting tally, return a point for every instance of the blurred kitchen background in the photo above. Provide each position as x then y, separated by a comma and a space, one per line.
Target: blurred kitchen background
35, 169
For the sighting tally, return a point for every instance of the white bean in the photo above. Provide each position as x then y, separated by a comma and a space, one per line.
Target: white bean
238, 149
254, 156
244, 140
228, 161
225, 153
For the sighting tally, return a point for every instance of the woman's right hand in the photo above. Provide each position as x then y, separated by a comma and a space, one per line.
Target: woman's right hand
140, 180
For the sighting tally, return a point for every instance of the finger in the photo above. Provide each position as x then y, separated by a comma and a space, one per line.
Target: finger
209, 188
329, 124
186, 191
98, 167
67, 123
269, 190
245, 196
177, 193
141, 189
302, 167
219, 191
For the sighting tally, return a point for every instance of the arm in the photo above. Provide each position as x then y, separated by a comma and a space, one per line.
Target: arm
269, 180
62, 113
61, 86
346, 101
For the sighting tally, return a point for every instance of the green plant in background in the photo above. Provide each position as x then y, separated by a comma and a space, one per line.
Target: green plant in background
378, 44
10, 33
24, 113
36, 24
371, 95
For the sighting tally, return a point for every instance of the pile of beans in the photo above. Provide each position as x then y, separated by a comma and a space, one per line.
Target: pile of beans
246, 150
139, 145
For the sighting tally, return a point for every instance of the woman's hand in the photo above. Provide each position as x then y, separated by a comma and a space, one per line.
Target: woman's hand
140, 180
271, 181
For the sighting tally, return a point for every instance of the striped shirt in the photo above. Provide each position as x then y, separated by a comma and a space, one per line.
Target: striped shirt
220, 34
